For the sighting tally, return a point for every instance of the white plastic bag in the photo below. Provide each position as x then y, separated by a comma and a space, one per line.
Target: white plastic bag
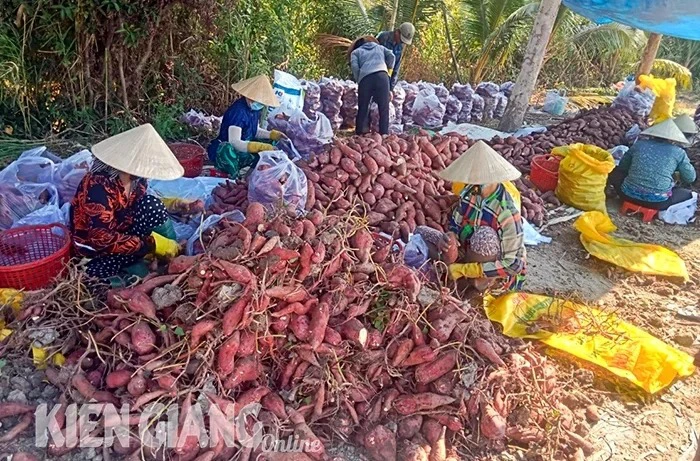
20, 200
634, 99
416, 251
193, 246
428, 111
276, 180
555, 102
288, 90
70, 172
48, 214
29, 169
681, 213
308, 135
189, 189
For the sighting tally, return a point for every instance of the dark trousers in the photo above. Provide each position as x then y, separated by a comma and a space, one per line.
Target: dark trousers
150, 213
678, 195
373, 87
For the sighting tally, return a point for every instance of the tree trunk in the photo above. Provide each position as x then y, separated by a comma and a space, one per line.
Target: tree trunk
532, 63
649, 54
394, 12
449, 43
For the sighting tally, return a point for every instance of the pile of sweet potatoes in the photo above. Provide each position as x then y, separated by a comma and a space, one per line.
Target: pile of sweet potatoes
313, 318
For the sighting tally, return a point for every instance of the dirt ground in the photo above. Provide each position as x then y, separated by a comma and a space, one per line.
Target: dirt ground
631, 428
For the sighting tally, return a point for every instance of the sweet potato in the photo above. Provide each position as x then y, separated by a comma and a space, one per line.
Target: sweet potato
486, 349
380, 443
137, 386
389, 182
492, 424
236, 272
233, 316
429, 372
301, 327
332, 337
181, 264
117, 378
443, 326
431, 430
409, 404
199, 331
247, 369
403, 350
254, 216
354, 331
320, 315
14, 408
438, 450
143, 339
141, 303
226, 353
290, 293
273, 403
410, 451
409, 426
24, 422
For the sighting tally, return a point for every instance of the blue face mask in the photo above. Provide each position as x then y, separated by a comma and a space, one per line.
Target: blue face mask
256, 106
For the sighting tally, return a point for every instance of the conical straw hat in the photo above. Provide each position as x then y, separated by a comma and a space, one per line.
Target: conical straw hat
140, 152
480, 164
686, 124
258, 89
666, 130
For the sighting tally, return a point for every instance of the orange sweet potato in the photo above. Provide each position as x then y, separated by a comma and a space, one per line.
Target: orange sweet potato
320, 315
226, 353
429, 372
408, 404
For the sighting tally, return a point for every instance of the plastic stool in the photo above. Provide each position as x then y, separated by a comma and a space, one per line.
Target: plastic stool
647, 213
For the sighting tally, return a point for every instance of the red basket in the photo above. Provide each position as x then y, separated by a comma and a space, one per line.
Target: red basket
190, 156
544, 172
32, 256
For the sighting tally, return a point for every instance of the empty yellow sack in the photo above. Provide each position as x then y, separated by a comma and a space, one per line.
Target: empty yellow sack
665, 92
592, 335
583, 175
645, 258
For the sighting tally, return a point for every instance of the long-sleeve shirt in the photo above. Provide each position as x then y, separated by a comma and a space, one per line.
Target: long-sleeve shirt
240, 115
650, 165
499, 212
370, 58
102, 214
386, 39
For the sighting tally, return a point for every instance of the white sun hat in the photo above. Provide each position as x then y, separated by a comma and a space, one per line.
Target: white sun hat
258, 89
480, 164
666, 130
686, 124
140, 152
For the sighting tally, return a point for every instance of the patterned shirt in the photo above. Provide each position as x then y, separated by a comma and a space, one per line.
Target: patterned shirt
102, 214
650, 165
499, 212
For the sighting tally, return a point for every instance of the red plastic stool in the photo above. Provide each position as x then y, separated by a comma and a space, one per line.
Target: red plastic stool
647, 213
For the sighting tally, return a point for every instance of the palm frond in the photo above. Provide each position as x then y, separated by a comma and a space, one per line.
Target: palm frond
609, 38
666, 68
329, 41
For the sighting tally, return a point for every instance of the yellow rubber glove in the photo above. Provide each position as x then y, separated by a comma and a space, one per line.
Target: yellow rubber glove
255, 147
469, 270
276, 135
165, 248
390, 72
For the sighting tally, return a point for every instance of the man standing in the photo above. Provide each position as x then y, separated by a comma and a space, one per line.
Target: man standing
395, 41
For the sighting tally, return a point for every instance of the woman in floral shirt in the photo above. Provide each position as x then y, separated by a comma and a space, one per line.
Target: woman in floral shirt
112, 217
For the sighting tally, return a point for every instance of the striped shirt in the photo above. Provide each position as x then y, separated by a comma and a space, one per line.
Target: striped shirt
499, 212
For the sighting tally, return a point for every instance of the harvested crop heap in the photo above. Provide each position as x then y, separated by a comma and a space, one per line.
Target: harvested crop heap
603, 127
314, 319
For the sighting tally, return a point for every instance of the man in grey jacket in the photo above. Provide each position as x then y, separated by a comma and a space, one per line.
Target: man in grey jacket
396, 40
371, 64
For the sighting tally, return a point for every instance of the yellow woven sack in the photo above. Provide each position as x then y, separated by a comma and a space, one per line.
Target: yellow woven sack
665, 92
583, 174
645, 258
598, 337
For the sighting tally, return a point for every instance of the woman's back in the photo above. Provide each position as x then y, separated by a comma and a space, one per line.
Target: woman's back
651, 164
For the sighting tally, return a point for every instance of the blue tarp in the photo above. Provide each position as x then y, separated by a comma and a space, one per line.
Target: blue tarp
677, 18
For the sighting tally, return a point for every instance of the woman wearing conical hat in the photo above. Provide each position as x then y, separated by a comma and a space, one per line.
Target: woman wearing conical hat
238, 143
112, 218
645, 175
687, 125
487, 219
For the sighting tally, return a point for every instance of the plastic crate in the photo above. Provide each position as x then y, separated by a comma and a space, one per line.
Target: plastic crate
32, 256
